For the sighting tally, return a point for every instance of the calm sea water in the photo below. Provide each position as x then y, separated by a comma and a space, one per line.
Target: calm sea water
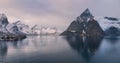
57, 49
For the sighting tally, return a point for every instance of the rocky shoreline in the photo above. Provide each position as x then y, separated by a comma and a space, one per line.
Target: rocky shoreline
11, 37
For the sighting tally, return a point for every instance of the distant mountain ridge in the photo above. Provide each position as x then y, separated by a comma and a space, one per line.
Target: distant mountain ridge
40, 30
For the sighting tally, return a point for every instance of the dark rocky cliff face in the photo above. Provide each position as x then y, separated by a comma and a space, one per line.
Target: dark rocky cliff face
94, 29
3, 20
112, 31
85, 24
73, 29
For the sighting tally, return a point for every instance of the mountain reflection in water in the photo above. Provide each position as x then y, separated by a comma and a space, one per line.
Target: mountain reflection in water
57, 49
86, 46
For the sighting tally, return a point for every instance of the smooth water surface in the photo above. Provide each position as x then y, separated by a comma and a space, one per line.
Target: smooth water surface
57, 49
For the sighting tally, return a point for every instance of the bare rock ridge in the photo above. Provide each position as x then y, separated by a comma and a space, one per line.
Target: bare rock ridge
113, 31
112, 18
84, 25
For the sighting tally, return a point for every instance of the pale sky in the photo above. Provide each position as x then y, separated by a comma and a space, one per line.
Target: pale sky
56, 13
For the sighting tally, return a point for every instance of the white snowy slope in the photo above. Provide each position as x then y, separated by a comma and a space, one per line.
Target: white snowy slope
22, 27
12, 28
17, 28
106, 23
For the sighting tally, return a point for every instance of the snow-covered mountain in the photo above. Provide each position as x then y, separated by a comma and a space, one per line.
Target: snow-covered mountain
10, 31
110, 25
107, 23
22, 27
3, 20
17, 28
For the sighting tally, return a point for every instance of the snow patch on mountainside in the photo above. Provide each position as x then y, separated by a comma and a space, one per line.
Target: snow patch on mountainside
106, 24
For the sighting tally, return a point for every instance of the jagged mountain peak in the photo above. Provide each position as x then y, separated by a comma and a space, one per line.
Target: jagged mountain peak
2, 15
85, 24
87, 11
86, 15
21, 24
3, 20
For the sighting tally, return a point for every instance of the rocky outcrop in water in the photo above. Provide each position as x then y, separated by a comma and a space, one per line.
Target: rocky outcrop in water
84, 25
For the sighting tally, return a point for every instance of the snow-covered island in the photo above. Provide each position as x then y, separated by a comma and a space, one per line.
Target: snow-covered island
10, 31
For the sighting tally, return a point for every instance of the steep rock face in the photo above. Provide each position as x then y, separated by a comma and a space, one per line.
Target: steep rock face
3, 23
86, 15
3, 20
113, 31
74, 28
85, 24
94, 29
13, 29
